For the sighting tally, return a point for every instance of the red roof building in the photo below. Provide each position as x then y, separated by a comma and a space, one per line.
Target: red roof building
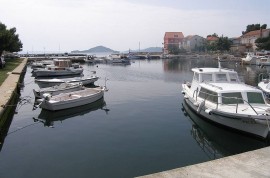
172, 38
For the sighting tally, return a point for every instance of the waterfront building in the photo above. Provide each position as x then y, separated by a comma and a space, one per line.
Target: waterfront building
248, 39
211, 39
172, 38
192, 42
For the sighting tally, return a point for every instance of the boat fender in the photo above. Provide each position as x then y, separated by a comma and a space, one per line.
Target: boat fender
201, 105
185, 96
47, 96
208, 111
183, 92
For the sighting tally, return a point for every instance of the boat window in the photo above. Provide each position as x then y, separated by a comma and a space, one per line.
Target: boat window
196, 77
207, 77
234, 77
232, 98
221, 77
255, 97
208, 95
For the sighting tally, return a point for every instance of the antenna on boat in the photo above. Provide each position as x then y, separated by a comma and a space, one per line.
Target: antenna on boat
219, 64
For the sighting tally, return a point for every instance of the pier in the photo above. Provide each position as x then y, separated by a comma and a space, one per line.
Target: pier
249, 164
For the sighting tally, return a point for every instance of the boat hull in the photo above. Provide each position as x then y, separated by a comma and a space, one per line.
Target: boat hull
242, 124
52, 82
74, 101
57, 90
50, 73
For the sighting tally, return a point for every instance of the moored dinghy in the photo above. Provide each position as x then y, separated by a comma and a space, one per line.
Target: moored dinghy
72, 99
52, 82
218, 95
57, 89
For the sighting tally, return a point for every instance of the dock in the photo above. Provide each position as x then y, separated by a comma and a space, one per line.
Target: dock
249, 165
9, 86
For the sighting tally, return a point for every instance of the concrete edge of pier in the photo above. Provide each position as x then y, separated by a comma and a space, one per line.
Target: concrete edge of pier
9, 86
249, 164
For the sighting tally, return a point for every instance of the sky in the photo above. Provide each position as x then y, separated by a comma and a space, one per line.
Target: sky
66, 25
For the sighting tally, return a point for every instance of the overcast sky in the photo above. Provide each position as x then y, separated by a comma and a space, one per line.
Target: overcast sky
66, 25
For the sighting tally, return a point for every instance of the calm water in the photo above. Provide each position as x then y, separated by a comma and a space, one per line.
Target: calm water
141, 126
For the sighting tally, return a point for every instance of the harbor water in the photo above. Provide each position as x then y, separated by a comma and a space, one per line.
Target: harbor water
140, 127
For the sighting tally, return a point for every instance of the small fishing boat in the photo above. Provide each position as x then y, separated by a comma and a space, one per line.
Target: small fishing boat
217, 95
57, 89
52, 82
72, 99
60, 68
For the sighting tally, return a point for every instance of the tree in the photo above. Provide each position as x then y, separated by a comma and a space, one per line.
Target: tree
253, 27
263, 43
173, 49
223, 43
9, 40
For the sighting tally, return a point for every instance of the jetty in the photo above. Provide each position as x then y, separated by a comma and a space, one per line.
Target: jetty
249, 164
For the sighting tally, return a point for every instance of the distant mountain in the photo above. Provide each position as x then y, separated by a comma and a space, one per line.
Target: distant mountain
97, 49
150, 50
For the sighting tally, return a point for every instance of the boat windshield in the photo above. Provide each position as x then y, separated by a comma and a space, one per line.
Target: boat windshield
207, 77
255, 97
232, 98
208, 95
234, 77
196, 77
221, 77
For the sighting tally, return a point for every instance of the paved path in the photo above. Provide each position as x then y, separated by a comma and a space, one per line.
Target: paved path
10, 85
247, 165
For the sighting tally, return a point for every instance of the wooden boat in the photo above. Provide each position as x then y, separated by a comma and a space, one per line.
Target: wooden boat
52, 82
72, 99
218, 95
49, 117
57, 89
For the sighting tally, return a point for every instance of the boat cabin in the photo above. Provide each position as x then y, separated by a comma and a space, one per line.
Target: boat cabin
224, 93
222, 86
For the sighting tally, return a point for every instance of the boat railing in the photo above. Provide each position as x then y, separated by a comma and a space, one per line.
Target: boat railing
217, 103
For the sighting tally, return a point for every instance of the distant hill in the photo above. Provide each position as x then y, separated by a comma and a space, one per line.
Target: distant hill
150, 49
97, 49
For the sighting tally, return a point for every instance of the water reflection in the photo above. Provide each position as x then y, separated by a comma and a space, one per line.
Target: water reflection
49, 117
218, 142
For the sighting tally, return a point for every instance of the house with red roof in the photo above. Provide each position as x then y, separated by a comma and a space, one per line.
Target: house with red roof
211, 39
172, 38
248, 39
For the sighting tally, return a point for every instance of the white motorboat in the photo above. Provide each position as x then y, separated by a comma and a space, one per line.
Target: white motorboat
250, 59
218, 95
57, 89
52, 82
263, 61
60, 68
41, 64
72, 99
264, 84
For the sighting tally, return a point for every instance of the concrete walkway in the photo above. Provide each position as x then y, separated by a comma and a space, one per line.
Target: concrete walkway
247, 165
9, 85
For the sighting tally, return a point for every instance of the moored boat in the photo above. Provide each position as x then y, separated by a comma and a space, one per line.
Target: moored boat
57, 89
218, 95
52, 82
60, 68
72, 99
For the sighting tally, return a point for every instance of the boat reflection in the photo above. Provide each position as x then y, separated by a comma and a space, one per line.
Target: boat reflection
49, 117
218, 142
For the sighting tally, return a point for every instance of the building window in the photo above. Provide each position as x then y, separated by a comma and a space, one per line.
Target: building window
175, 36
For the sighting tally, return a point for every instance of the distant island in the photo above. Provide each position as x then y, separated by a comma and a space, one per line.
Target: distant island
103, 49
97, 49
